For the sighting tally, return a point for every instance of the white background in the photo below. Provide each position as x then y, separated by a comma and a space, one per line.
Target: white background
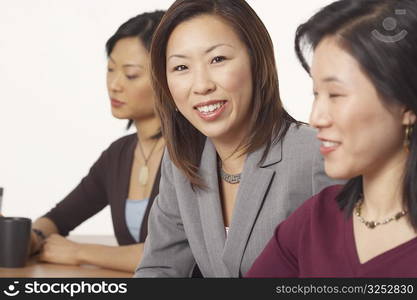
55, 115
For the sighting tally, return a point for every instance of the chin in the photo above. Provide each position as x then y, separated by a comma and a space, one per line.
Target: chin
338, 173
119, 116
212, 133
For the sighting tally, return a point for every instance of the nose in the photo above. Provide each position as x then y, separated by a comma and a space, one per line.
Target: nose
203, 83
114, 82
320, 115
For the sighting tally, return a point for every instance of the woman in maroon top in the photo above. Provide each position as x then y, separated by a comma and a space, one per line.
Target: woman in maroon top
365, 86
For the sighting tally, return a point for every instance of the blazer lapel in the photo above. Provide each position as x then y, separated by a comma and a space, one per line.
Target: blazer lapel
210, 210
250, 196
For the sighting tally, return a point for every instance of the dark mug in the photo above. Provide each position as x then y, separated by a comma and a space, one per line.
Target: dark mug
15, 233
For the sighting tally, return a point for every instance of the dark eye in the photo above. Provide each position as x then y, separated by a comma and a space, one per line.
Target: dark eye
109, 70
335, 95
180, 68
131, 77
218, 59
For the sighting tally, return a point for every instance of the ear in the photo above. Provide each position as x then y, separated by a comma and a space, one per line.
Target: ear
409, 117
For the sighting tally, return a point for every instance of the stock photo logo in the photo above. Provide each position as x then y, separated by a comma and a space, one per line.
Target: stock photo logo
11, 290
65, 288
390, 24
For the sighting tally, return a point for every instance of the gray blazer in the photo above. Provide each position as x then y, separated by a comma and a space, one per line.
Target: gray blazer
186, 227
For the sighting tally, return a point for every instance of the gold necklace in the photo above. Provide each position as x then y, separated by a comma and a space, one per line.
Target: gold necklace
144, 170
373, 224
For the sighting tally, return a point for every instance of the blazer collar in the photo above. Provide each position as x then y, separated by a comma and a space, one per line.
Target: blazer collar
211, 210
252, 192
274, 155
226, 254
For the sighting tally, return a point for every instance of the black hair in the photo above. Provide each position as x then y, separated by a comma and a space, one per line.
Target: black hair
382, 36
143, 27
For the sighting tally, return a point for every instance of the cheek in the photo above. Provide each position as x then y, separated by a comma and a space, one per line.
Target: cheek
140, 97
178, 87
108, 82
386, 134
141, 90
356, 131
352, 117
372, 133
237, 79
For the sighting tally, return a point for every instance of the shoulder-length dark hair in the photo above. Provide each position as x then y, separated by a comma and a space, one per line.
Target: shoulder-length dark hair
388, 56
269, 121
143, 27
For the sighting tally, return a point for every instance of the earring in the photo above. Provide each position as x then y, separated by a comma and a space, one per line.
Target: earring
176, 109
407, 138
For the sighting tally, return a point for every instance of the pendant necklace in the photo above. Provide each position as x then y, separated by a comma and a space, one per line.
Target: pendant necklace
144, 170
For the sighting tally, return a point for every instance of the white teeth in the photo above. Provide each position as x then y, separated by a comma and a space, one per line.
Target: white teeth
329, 144
209, 108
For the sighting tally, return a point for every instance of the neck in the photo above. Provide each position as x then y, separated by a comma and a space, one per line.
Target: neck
146, 128
383, 188
232, 160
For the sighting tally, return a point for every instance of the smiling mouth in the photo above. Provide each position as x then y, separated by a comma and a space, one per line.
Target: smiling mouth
329, 144
210, 108
327, 147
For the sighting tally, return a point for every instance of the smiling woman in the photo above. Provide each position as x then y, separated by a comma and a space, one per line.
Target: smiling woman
211, 84
237, 162
345, 103
365, 110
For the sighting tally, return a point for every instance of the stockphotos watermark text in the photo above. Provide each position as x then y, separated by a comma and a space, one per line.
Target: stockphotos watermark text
70, 289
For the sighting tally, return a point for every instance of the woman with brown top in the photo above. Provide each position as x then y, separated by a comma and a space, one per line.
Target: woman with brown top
126, 176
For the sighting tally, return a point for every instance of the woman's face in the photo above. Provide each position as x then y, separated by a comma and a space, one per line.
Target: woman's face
360, 135
128, 81
209, 77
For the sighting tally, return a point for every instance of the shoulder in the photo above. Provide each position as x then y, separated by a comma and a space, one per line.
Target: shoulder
299, 147
317, 220
119, 149
319, 207
324, 203
300, 135
123, 142
167, 165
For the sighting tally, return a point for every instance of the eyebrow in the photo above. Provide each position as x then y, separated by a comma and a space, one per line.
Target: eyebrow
127, 65
132, 65
205, 52
332, 79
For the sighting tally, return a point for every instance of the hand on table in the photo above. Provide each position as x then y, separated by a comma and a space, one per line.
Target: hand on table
59, 250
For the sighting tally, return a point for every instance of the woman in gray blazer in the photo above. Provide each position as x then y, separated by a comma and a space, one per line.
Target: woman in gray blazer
237, 163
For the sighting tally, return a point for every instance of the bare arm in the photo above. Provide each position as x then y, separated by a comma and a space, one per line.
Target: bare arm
125, 258
58, 249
